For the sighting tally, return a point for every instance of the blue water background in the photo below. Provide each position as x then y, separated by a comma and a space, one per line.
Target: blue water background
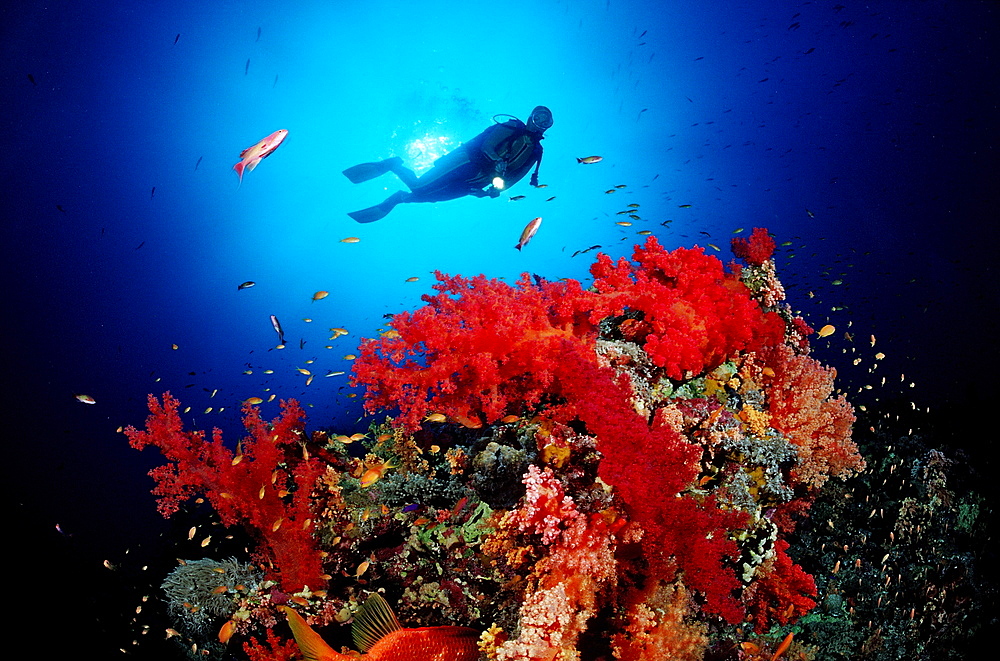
865, 134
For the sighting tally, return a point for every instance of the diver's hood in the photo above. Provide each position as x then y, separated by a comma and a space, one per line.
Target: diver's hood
541, 119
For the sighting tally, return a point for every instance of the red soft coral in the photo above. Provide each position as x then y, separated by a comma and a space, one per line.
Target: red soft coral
757, 249
782, 591
650, 464
479, 349
696, 315
276, 649
266, 488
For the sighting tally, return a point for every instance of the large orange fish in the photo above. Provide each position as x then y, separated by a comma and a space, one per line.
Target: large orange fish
251, 156
378, 634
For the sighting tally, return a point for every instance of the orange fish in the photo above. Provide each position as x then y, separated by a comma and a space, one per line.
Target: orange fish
783, 647
252, 156
374, 473
378, 634
528, 232
227, 631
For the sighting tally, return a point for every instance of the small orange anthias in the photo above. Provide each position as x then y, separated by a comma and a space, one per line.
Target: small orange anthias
374, 472
378, 634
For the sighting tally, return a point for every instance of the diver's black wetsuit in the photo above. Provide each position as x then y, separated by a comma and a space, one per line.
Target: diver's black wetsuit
508, 150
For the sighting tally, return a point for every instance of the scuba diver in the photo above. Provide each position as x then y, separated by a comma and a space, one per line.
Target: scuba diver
498, 157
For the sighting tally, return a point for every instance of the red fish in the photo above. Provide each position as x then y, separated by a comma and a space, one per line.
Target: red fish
528, 232
377, 632
251, 156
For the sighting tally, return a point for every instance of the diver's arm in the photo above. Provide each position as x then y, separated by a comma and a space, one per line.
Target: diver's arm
513, 176
537, 162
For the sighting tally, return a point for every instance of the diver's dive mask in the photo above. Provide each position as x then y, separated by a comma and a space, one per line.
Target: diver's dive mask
541, 119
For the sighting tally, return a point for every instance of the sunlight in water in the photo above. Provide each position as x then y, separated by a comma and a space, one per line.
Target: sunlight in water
421, 152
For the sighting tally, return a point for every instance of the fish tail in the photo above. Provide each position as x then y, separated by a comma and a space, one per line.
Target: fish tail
518, 246
309, 642
239, 167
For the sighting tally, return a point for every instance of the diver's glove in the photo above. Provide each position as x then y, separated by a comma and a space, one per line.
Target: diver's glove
534, 179
493, 191
500, 166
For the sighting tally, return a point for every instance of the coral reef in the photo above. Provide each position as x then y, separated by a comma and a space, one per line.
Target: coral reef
621, 472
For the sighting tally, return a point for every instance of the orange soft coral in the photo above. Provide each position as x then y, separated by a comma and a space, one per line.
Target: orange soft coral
660, 624
802, 407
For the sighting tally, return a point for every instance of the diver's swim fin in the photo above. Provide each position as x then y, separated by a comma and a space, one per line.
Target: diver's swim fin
367, 171
379, 211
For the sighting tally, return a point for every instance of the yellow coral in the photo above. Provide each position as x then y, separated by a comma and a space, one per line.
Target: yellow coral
757, 421
489, 640
457, 460
556, 454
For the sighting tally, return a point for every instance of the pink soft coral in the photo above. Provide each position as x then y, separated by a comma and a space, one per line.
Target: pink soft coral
569, 580
547, 509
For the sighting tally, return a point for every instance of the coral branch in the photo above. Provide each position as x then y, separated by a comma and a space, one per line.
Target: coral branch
757, 249
266, 487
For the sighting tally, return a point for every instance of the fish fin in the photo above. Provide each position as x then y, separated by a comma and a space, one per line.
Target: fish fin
373, 622
313, 647
253, 163
239, 167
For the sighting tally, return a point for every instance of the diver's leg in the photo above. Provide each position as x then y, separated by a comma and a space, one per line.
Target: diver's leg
451, 167
367, 171
405, 174
379, 211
